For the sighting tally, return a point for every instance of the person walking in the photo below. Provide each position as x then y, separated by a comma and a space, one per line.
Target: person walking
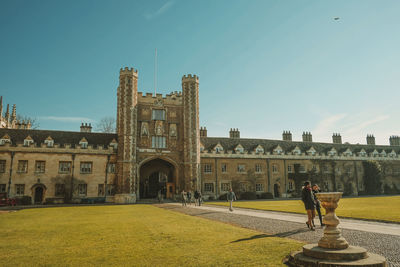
189, 197
309, 204
200, 198
196, 198
315, 190
183, 195
230, 196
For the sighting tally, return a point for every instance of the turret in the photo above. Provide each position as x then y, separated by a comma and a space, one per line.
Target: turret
127, 129
287, 136
191, 132
370, 139
307, 137
234, 133
8, 114
336, 138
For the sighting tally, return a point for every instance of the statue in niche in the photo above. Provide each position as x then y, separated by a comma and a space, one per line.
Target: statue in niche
159, 128
172, 130
145, 129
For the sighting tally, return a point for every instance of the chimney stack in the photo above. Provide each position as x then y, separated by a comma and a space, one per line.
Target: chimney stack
307, 137
394, 140
370, 139
287, 136
336, 138
86, 128
203, 132
234, 133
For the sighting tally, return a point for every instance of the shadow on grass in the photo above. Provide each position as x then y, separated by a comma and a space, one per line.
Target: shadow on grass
283, 234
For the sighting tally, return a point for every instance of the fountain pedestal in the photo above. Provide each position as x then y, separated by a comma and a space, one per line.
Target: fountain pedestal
332, 249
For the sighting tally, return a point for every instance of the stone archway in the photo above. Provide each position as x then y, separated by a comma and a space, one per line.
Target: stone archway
38, 193
157, 176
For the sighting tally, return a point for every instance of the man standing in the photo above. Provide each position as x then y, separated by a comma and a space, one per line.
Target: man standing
183, 195
231, 197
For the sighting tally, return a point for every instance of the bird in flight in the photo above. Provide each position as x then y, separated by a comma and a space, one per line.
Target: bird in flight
336, 18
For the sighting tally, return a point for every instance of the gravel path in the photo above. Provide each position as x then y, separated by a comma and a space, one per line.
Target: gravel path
384, 244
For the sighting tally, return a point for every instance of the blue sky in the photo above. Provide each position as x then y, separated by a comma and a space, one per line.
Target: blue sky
264, 66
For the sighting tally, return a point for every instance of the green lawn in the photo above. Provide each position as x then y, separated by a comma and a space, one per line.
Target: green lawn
373, 208
134, 235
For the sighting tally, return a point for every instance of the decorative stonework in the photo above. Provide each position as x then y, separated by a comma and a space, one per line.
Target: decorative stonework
172, 130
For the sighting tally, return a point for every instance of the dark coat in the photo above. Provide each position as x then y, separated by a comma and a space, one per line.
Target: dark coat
317, 203
308, 198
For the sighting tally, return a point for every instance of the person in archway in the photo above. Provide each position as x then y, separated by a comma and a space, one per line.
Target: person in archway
315, 190
230, 196
183, 196
309, 204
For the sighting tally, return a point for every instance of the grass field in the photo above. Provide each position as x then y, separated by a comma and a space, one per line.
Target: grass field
373, 208
134, 235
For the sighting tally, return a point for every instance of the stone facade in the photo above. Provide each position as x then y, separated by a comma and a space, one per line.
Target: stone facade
159, 148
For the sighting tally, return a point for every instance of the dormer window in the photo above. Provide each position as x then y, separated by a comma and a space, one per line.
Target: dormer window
5, 139
28, 141
114, 144
383, 153
347, 152
278, 150
83, 143
312, 151
239, 149
218, 148
49, 142
392, 154
259, 149
296, 151
332, 152
375, 153
362, 153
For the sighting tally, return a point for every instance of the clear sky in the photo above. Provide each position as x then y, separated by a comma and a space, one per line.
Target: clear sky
264, 66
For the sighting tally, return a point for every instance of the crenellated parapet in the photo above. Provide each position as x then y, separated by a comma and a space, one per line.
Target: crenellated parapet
128, 71
190, 78
173, 98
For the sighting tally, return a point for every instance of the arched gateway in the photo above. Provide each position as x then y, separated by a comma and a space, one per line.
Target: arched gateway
157, 175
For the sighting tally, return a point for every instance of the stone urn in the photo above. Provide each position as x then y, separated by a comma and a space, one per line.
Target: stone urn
332, 235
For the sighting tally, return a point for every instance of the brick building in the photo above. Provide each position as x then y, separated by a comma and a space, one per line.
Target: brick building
159, 147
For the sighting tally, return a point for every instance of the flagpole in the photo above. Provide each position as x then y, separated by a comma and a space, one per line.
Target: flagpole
155, 73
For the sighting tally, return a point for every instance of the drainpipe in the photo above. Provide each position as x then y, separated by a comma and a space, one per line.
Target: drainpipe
268, 176
216, 179
356, 175
72, 176
9, 179
105, 180
285, 173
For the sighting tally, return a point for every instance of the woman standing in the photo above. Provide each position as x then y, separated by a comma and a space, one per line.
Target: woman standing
308, 200
315, 190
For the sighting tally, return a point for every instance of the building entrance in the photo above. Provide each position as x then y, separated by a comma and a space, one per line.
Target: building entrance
156, 177
38, 195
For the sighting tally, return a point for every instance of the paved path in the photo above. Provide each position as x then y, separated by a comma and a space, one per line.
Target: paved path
352, 224
380, 238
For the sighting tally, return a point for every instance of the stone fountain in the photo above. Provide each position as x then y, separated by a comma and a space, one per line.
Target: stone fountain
332, 249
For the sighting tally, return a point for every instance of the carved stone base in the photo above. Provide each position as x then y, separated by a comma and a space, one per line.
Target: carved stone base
125, 198
314, 256
333, 239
